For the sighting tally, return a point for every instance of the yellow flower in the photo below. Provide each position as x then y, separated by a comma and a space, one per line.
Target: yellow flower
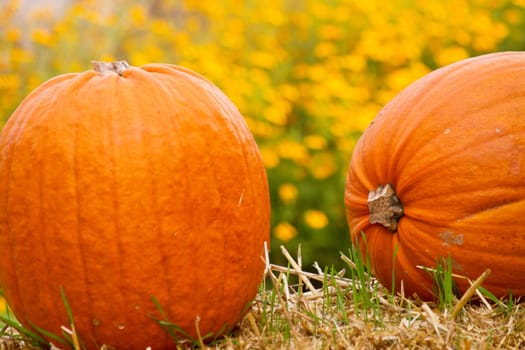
346, 145
263, 59
33, 82
317, 72
259, 77
355, 63
316, 219
261, 129
513, 16
289, 92
330, 32
148, 54
315, 142
137, 14
20, 56
9, 81
3, 306
323, 165
288, 192
400, 78
292, 150
278, 112
161, 28
325, 49
193, 25
270, 157
284, 231
41, 36
451, 55
320, 9
12, 35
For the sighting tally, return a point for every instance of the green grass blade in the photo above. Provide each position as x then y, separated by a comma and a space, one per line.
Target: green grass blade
176, 332
66, 339
33, 337
393, 284
66, 305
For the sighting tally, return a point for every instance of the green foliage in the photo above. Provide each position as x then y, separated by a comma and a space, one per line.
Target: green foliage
175, 332
27, 335
504, 307
35, 335
364, 287
444, 287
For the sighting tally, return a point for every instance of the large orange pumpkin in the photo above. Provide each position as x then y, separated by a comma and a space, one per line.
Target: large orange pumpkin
121, 185
440, 173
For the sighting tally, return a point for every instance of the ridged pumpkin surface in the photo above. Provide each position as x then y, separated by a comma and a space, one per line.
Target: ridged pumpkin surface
120, 188
452, 146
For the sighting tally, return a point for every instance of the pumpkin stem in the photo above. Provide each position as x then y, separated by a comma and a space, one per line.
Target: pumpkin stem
116, 67
385, 207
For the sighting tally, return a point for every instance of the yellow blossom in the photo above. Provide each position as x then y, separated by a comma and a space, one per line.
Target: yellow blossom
278, 112
325, 49
9, 81
3, 306
270, 157
284, 231
513, 16
12, 35
400, 78
20, 56
292, 150
316, 219
315, 142
331, 31
289, 92
261, 128
137, 15
321, 9
263, 59
322, 165
451, 55
259, 77
345, 146
288, 192
161, 28
355, 63
41, 36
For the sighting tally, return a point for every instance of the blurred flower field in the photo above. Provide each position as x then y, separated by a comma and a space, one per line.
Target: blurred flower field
307, 75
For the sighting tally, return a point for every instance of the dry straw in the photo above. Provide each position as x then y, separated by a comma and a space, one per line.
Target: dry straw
322, 309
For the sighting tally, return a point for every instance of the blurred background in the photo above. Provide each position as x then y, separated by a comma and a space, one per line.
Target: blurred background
308, 75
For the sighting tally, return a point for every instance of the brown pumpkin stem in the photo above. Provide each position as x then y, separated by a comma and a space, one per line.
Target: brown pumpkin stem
116, 67
385, 207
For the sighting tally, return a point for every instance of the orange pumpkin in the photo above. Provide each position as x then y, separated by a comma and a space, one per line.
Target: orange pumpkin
123, 184
440, 173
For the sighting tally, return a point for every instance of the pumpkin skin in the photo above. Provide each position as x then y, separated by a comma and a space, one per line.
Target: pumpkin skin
123, 187
452, 146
